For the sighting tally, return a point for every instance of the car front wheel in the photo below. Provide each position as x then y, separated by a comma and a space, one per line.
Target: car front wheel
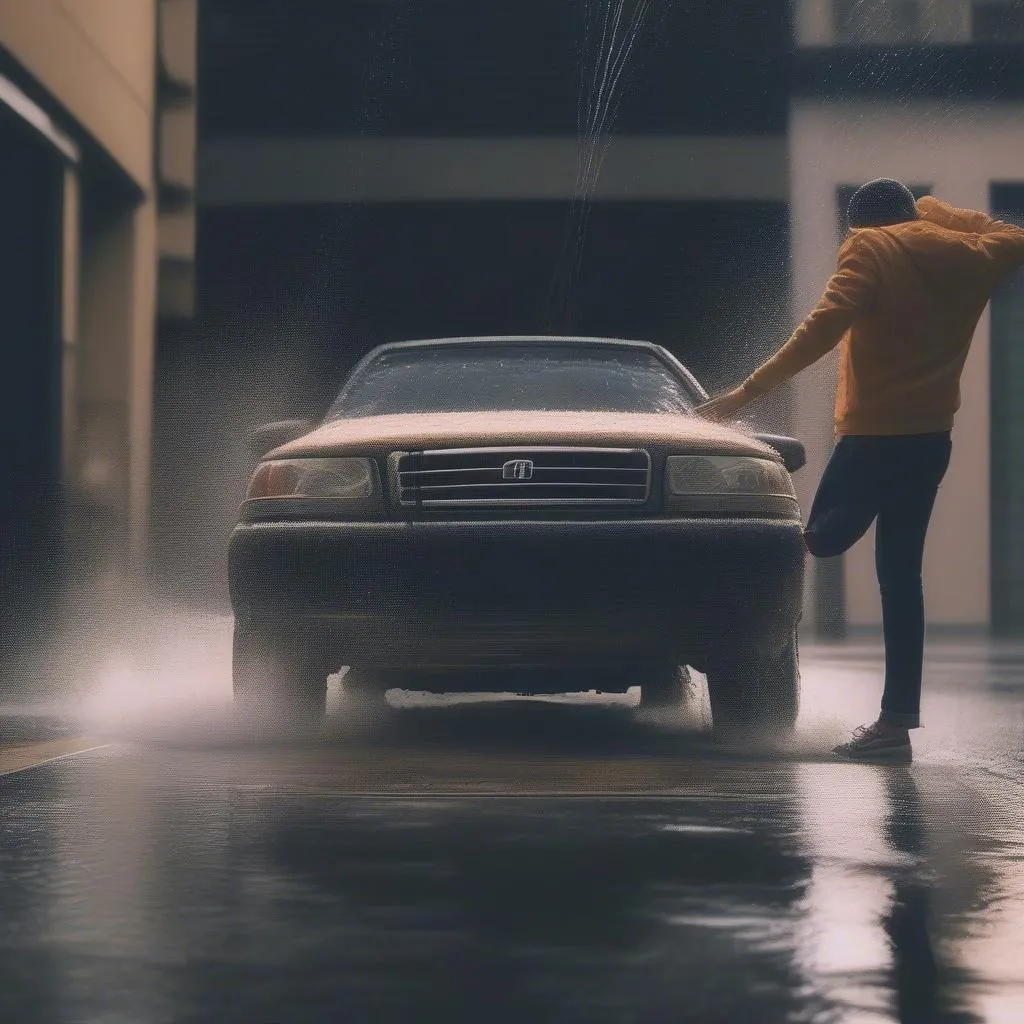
752, 689
277, 676
366, 692
665, 688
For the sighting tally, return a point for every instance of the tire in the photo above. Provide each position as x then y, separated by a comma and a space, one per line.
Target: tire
277, 676
754, 690
665, 688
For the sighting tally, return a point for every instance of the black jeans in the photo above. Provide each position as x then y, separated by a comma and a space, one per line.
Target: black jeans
894, 478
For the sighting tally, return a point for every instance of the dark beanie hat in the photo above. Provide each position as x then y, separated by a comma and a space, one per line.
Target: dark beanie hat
882, 201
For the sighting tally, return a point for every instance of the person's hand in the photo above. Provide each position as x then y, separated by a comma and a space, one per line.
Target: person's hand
725, 406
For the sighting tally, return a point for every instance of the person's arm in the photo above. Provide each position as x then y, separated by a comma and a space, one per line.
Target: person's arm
849, 293
935, 211
1004, 242
938, 212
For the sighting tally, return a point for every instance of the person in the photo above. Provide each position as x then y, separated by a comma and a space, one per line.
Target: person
910, 285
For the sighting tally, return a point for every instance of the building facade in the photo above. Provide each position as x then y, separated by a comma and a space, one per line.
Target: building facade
933, 94
407, 178
371, 172
97, 117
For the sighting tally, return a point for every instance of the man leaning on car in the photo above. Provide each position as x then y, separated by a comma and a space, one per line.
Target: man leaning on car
911, 283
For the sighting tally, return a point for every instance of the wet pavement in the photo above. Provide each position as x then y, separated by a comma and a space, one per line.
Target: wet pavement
561, 860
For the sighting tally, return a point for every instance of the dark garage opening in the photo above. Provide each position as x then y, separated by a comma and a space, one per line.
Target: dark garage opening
31, 209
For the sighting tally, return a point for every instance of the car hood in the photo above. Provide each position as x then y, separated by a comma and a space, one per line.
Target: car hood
375, 435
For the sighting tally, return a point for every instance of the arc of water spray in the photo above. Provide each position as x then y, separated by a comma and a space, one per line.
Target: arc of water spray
608, 99
597, 107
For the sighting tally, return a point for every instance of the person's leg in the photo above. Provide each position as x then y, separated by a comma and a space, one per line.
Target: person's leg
846, 501
914, 467
918, 467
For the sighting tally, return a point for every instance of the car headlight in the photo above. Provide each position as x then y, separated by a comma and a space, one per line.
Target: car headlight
729, 483
314, 478
727, 474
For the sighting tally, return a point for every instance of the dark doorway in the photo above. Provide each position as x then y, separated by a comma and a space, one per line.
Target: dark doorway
31, 210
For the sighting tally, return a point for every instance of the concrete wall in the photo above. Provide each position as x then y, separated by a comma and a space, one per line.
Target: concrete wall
176, 158
344, 170
821, 23
69, 321
93, 66
114, 402
958, 150
97, 59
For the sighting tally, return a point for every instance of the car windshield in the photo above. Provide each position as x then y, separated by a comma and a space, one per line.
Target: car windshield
464, 378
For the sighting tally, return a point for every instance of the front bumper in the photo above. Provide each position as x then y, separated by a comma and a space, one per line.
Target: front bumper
527, 592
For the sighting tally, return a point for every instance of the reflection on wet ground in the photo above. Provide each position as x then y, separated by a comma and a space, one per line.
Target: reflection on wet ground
513, 861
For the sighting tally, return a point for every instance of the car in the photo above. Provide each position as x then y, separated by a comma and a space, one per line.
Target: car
534, 515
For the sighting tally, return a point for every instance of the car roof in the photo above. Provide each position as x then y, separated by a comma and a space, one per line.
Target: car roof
500, 339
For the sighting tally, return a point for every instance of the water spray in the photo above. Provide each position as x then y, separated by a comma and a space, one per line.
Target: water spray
611, 30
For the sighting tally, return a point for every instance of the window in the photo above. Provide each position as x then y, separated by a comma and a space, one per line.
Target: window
531, 376
998, 21
895, 21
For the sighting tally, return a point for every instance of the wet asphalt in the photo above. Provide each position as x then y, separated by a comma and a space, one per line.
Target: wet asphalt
461, 860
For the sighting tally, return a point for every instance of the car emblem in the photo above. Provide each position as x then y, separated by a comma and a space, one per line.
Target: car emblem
517, 469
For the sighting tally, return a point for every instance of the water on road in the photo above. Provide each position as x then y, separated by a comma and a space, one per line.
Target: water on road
559, 860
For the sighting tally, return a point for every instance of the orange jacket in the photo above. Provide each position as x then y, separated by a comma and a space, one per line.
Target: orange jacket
904, 300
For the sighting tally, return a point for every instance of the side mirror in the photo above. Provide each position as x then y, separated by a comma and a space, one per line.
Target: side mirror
271, 435
791, 450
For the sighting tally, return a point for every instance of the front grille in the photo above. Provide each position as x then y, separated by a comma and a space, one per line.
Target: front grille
521, 477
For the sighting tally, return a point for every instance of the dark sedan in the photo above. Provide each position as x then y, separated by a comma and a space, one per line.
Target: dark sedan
537, 515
